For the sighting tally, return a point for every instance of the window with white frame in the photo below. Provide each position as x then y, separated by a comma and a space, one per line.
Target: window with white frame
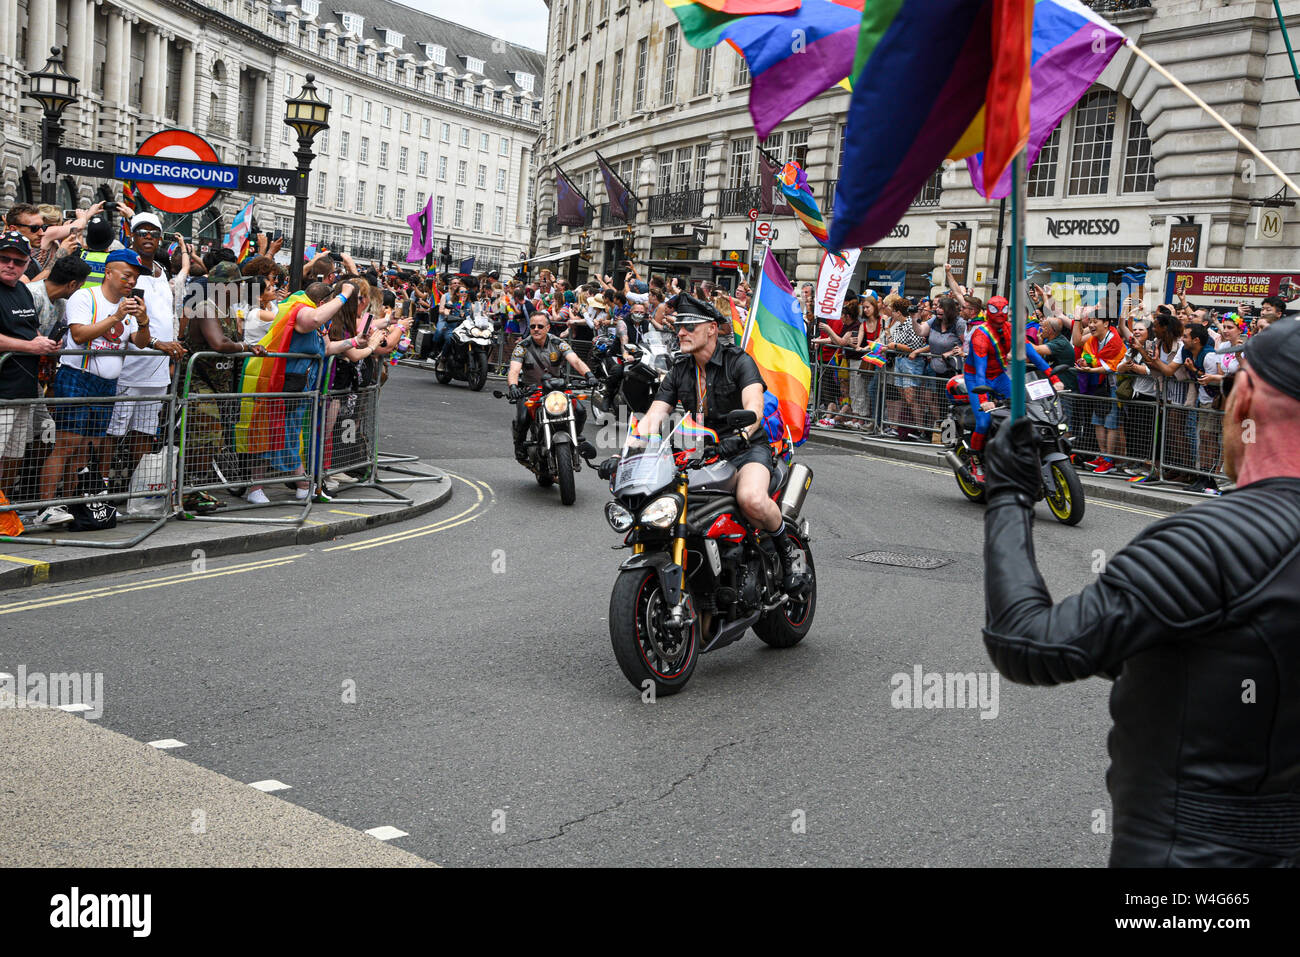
464, 136
340, 193
481, 182
347, 104
474, 65
1139, 170
379, 200
438, 54
422, 164
524, 81
703, 71
582, 102
442, 169
406, 122
683, 172
419, 199
363, 154
740, 170
462, 173
670, 65
365, 111
665, 170
353, 24
323, 143
320, 189
596, 83
458, 218
499, 220
701, 164
383, 155
1092, 143
444, 134
403, 158
478, 217
438, 205
1041, 180
484, 142
503, 149
642, 64
616, 92
426, 127
345, 139
401, 202
361, 196
388, 117
501, 181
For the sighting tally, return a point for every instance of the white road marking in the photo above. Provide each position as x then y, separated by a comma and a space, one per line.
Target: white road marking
269, 785
74, 708
164, 744
386, 833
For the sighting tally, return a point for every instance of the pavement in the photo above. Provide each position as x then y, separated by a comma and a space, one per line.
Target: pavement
96, 798
354, 509
451, 678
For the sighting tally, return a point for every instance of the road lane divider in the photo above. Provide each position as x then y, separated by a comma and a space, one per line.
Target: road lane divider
481, 503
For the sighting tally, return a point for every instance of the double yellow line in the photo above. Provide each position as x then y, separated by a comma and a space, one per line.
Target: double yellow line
483, 498
111, 591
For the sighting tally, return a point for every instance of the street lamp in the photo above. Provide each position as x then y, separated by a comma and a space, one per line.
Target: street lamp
308, 114
54, 88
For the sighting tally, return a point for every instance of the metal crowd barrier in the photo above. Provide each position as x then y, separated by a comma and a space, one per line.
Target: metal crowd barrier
1168, 442
206, 436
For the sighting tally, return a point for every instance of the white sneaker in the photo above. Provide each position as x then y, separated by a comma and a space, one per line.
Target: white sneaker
257, 497
53, 515
302, 494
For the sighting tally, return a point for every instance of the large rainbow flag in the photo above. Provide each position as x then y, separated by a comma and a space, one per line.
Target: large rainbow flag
795, 51
1070, 47
776, 339
918, 80
261, 421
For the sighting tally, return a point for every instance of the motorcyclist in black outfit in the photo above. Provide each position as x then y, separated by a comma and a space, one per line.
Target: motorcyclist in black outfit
711, 380
537, 356
1197, 622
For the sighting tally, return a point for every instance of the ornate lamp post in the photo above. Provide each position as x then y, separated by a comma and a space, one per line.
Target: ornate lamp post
308, 114
54, 88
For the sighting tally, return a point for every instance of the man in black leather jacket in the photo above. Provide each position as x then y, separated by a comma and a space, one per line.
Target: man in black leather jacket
1198, 622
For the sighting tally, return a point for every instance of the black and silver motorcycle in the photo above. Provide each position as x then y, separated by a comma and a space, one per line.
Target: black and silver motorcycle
629, 379
700, 574
553, 449
465, 356
1061, 487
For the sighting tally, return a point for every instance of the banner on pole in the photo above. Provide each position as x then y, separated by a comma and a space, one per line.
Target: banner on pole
833, 280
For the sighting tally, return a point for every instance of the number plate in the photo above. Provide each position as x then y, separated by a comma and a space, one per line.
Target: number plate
1039, 389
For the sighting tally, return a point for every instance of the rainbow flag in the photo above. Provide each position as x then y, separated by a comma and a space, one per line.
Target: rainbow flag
240, 227
750, 6
261, 421
692, 429
793, 56
776, 339
793, 183
918, 81
876, 354
1071, 46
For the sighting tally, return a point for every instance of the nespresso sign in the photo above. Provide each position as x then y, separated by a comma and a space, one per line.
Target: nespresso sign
1056, 228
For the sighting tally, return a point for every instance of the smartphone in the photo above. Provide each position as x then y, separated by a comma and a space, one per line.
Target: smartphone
70, 213
278, 234
137, 293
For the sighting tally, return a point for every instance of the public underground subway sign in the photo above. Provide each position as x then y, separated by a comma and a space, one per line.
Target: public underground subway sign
1082, 227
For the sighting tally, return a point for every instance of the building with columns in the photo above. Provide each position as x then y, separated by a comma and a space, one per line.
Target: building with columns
421, 107
1135, 165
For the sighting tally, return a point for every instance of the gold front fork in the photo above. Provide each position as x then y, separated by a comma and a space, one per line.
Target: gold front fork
679, 543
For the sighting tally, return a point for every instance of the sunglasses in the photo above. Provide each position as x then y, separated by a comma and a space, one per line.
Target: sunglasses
11, 261
149, 233
532, 326
39, 227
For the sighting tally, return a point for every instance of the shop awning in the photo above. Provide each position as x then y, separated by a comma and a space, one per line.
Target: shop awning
549, 258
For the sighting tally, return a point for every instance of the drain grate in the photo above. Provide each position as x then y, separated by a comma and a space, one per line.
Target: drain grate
901, 560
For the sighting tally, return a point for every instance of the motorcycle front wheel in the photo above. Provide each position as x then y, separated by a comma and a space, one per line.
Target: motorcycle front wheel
646, 650
564, 473
1065, 499
441, 374
476, 375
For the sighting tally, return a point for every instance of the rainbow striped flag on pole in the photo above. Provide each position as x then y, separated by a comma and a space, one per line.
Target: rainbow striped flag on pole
776, 339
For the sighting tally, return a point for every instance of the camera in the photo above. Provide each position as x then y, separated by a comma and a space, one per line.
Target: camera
110, 207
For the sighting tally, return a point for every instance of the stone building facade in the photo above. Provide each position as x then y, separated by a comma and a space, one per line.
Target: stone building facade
422, 94
1133, 160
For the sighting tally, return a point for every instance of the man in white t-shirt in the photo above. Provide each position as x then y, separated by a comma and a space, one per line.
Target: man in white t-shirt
147, 375
101, 320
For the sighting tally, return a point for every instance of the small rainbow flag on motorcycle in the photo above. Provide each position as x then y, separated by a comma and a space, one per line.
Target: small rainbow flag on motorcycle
690, 427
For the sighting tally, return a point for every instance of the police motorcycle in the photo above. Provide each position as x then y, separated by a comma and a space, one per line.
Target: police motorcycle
700, 574
465, 356
553, 448
1061, 487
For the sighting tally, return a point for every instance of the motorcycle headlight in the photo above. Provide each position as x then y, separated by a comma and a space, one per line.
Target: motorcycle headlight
662, 512
557, 403
619, 518
1062, 427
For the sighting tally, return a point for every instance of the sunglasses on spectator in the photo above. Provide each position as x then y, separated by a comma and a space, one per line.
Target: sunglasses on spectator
36, 227
12, 261
534, 325
149, 233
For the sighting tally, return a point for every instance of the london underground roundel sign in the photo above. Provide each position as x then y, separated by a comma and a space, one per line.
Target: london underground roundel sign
179, 145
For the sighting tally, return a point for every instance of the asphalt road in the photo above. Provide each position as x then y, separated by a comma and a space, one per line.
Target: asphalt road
452, 677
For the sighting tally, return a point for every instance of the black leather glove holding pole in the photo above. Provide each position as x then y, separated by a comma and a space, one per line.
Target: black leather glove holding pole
607, 468
1012, 464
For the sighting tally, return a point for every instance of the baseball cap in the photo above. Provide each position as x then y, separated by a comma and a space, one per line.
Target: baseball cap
224, 271
997, 306
145, 219
1274, 356
127, 256
13, 239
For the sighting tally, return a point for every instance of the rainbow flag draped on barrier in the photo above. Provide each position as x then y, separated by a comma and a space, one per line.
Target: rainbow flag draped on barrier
261, 421
795, 51
1070, 47
776, 339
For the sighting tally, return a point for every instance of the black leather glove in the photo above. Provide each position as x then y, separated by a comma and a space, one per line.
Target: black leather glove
607, 468
1011, 461
515, 392
732, 445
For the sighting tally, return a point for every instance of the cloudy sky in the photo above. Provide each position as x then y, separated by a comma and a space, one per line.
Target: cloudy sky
515, 21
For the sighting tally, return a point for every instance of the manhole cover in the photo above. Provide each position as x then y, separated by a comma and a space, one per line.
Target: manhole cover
901, 560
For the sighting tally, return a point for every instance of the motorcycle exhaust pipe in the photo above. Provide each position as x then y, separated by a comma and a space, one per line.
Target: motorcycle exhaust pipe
958, 466
796, 491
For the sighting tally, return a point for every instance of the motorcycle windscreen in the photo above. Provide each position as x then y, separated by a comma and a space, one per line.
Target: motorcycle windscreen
647, 462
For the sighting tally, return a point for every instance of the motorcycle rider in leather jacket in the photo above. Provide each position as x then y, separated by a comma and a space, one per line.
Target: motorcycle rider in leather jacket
1195, 620
537, 356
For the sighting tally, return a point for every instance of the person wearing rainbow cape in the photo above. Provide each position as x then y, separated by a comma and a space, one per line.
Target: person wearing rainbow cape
986, 365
